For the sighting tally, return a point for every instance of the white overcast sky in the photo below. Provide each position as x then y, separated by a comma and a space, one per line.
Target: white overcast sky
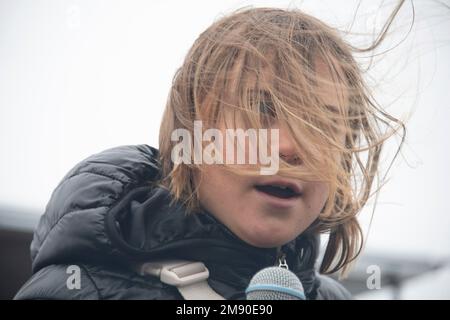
77, 77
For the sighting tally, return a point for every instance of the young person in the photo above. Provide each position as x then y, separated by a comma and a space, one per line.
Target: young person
270, 69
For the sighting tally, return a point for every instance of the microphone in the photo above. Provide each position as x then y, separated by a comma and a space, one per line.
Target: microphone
275, 283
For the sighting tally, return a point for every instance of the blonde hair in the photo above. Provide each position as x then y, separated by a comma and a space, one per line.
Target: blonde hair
216, 78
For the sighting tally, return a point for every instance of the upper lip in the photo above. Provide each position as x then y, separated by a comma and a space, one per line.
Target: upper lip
295, 186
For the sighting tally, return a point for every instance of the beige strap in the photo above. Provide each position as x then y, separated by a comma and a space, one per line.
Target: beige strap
189, 277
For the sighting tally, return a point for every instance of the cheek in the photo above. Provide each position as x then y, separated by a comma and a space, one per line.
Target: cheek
208, 184
217, 188
317, 196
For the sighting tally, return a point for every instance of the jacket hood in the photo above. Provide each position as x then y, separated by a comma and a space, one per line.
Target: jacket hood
108, 210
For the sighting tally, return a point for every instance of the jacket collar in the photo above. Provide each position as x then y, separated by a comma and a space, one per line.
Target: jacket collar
146, 226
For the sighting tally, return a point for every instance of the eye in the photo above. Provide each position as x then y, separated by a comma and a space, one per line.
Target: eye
266, 108
267, 112
334, 117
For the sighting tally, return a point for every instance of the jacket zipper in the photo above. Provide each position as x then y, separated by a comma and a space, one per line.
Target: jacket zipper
281, 258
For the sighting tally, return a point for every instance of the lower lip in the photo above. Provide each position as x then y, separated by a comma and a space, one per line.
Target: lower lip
278, 202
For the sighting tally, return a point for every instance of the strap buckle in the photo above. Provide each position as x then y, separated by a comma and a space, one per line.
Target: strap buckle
176, 273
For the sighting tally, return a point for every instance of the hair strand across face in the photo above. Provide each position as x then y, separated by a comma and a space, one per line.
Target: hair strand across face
261, 66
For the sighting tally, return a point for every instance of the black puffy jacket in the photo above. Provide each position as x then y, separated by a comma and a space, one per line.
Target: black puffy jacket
106, 215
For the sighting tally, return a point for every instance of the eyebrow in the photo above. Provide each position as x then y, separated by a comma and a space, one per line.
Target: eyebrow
265, 93
332, 108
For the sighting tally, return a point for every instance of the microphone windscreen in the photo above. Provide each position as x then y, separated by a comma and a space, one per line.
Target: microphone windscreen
275, 283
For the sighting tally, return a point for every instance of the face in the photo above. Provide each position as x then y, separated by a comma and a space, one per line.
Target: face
254, 208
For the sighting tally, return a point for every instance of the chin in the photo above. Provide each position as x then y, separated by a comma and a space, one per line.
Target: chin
267, 238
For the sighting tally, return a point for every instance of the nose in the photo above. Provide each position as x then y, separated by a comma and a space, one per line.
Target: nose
287, 147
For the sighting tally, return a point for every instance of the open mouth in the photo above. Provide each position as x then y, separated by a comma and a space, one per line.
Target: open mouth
279, 191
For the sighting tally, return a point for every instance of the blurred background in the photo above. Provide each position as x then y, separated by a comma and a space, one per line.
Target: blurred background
78, 77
